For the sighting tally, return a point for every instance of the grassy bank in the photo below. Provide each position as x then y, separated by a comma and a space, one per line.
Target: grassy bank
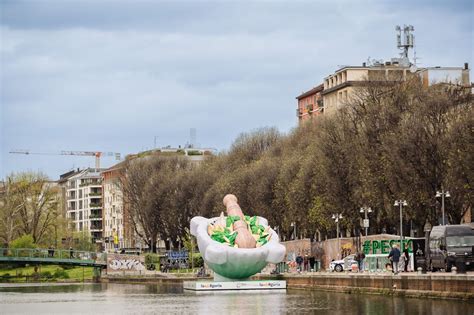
45, 273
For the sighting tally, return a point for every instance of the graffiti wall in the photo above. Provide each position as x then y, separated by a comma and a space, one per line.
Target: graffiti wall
124, 263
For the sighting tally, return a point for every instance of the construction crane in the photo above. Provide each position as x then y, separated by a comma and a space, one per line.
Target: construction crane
97, 154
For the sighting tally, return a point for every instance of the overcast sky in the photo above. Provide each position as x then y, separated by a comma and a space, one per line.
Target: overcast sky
113, 75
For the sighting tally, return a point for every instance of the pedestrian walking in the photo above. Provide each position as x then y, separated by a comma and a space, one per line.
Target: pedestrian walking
71, 253
394, 256
406, 256
312, 262
299, 261
359, 257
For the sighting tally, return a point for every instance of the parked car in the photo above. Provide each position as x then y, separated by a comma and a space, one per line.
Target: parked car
342, 264
451, 245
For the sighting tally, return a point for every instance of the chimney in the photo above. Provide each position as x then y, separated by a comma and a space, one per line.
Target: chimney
364, 64
466, 66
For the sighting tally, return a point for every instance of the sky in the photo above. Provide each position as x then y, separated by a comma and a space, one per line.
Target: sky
120, 76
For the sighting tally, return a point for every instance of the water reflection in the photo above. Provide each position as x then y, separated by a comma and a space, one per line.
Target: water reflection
171, 299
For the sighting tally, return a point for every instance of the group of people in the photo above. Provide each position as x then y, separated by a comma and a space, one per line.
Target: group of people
305, 263
398, 258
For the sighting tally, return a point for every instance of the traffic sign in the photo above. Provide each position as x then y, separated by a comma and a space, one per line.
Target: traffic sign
366, 223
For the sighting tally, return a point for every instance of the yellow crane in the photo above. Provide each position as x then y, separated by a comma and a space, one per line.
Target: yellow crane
96, 154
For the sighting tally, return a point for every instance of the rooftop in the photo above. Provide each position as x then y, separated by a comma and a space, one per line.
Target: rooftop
314, 90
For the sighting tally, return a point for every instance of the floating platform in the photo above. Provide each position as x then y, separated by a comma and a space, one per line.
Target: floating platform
234, 285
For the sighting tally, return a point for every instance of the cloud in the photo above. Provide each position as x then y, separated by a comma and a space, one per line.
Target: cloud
113, 75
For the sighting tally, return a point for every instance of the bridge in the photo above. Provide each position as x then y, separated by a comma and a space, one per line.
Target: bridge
48, 256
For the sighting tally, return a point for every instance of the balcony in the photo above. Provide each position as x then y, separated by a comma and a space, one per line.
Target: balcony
95, 194
90, 183
95, 217
95, 205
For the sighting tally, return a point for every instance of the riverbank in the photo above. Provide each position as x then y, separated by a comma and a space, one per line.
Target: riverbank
46, 273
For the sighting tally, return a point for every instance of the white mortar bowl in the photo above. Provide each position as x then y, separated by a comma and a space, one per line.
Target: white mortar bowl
235, 263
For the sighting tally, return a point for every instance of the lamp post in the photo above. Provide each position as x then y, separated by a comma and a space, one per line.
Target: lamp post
442, 194
336, 217
366, 210
401, 203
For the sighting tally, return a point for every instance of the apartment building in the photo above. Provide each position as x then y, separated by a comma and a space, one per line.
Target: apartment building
84, 203
310, 103
117, 229
339, 87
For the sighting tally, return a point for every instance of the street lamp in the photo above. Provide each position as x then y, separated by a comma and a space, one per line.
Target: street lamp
442, 194
401, 203
336, 217
366, 210
293, 224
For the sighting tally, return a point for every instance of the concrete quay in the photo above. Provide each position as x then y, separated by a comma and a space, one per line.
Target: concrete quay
431, 285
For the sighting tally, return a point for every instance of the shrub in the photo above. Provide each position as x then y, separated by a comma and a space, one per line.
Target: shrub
46, 274
25, 241
61, 273
152, 259
198, 261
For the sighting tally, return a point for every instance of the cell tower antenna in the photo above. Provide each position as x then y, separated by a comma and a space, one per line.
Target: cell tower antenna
405, 41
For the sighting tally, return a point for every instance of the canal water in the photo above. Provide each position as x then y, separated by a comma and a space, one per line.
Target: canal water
171, 299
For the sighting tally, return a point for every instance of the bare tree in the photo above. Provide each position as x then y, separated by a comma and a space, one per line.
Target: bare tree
10, 206
31, 204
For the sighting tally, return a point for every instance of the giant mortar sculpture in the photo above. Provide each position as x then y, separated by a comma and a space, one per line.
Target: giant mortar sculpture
229, 263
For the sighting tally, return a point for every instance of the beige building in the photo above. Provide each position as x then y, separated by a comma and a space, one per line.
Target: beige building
117, 230
339, 87
84, 203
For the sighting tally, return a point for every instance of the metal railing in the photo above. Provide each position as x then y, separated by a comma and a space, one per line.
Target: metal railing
48, 253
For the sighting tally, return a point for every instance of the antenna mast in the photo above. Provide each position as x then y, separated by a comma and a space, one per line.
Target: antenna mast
405, 41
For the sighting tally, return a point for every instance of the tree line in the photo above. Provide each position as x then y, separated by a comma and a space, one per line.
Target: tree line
390, 141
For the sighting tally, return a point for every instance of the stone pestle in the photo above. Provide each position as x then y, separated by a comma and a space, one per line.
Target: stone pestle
244, 238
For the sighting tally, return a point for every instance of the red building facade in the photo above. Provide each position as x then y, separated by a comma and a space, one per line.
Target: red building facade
310, 104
